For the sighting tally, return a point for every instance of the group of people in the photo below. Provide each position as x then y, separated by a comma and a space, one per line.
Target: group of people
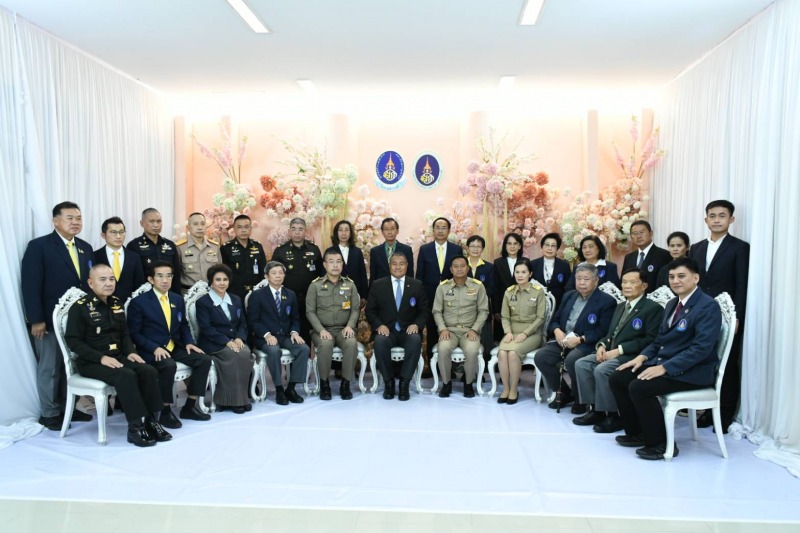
314, 298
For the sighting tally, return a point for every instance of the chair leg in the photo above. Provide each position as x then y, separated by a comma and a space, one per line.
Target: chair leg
317, 386
376, 377
717, 416
481, 368
254, 382
435, 372
669, 422
306, 388
262, 376
418, 374
537, 386
362, 370
693, 423
68, 413
101, 408
492, 377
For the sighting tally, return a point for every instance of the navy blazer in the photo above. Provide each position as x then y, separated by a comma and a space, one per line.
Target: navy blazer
215, 330
379, 263
639, 329
381, 309
262, 315
605, 273
148, 327
428, 266
485, 274
132, 275
727, 272
355, 269
558, 282
592, 323
48, 272
687, 348
655, 259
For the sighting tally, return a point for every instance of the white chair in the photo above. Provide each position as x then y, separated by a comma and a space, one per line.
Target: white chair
286, 356
182, 372
457, 357
338, 356
661, 295
703, 398
612, 290
550, 309
78, 385
397, 354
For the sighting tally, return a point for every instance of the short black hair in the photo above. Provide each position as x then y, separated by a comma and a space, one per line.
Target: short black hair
149, 210
108, 221
215, 269
682, 236
464, 257
523, 261
333, 250
478, 238
437, 219
644, 223
64, 205
601, 254
335, 234
721, 203
388, 220
517, 237
195, 213
687, 262
397, 254
159, 263
241, 217
642, 273
553, 235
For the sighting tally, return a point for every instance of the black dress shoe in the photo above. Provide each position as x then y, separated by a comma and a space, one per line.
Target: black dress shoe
502, 400
403, 395
388, 391
168, 419
80, 416
324, 389
344, 390
611, 424
53, 423
706, 420
564, 401
629, 441
469, 390
139, 436
194, 413
238, 409
512, 401
446, 389
280, 396
156, 432
579, 409
655, 453
248, 407
293, 397
590, 418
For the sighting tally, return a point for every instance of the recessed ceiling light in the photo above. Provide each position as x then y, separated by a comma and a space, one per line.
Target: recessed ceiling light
248, 15
530, 12
506, 82
307, 85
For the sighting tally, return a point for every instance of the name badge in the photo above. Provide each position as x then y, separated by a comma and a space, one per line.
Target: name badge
255, 268
592, 319
112, 346
637, 323
118, 310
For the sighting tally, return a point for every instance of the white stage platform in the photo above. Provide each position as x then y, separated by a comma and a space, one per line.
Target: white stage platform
429, 454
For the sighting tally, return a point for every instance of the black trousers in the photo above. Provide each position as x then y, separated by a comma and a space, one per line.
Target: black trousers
136, 384
200, 364
547, 359
412, 344
639, 408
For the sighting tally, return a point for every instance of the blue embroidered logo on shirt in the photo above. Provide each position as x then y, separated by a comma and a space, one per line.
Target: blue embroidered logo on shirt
592, 319
637, 323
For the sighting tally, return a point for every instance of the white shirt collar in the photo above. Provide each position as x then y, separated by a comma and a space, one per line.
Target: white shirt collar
710, 242
65, 241
401, 280
636, 301
646, 250
110, 254
684, 300
218, 300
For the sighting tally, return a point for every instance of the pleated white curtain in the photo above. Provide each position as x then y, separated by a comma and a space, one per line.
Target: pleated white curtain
71, 128
731, 125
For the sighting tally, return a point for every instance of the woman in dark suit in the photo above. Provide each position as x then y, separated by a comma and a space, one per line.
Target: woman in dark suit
344, 239
503, 275
678, 245
483, 272
223, 334
550, 271
593, 251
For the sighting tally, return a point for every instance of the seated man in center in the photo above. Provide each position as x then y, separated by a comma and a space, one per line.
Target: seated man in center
581, 320
333, 307
460, 308
397, 310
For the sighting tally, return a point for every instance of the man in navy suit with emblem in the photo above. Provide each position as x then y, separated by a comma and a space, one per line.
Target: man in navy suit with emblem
152, 247
160, 329
51, 265
681, 358
724, 263
379, 256
274, 316
125, 264
647, 257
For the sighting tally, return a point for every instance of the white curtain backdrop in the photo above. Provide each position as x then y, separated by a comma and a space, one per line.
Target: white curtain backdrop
71, 128
731, 125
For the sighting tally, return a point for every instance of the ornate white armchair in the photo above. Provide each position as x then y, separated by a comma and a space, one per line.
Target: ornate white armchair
661, 295
612, 290
338, 356
78, 385
550, 309
286, 356
457, 357
703, 398
182, 371
397, 354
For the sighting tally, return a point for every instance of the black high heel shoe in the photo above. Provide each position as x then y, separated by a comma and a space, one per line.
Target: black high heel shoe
512, 401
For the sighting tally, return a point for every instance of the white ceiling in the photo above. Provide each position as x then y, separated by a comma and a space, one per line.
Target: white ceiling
202, 46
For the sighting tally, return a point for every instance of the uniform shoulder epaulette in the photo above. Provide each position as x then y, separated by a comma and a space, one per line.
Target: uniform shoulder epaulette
444, 281
345, 277
213, 242
535, 285
511, 288
227, 243
317, 279
81, 301
253, 241
182, 241
479, 282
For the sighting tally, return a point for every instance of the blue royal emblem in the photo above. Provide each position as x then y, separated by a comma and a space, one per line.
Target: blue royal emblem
560, 278
288, 309
180, 316
637, 323
427, 171
650, 268
482, 278
682, 325
389, 169
239, 313
601, 273
592, 318
90, 263
412, 302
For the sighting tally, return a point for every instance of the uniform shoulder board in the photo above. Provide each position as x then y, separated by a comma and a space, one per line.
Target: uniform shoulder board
81, 301
317, 279
253, 241
182, 241
479, 282
345, 277
444, 281
537, 286
213, 242
228, 243
511, 288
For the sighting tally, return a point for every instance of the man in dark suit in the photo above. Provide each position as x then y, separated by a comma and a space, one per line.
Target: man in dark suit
152, 247
379, 256
126, 265
397, 310
159, 328
581, 321
647, 257
550, 271
681, 358
433, 267
633, 327
51, 265
724, 263
274, 316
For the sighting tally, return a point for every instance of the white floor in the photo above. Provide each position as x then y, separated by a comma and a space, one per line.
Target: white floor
377, 465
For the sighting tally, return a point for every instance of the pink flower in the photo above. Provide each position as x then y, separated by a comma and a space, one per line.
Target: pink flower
224, 224
491, 169
526, 233
242, 148
464, 188
528, 223
376, 222
364, 219
255, 223
473, 167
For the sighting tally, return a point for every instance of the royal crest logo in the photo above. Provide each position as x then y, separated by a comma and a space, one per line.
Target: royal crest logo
389, 171
427, 171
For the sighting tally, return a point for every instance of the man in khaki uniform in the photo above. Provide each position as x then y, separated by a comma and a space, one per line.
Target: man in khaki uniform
460, 308
198, 253
332, 309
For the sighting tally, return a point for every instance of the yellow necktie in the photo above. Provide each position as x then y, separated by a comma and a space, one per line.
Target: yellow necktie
116, 267
74, 255
168, 316
440, 254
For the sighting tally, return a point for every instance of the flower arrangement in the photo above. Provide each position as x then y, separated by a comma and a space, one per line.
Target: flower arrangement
532, 209
366, 216
461, 224
223, 156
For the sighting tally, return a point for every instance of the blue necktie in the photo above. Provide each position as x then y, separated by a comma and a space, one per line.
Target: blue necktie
398, 295
278, 301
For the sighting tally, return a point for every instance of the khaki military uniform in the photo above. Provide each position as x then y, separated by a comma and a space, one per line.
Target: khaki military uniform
458, 309
196, 260
332, 307
523, 311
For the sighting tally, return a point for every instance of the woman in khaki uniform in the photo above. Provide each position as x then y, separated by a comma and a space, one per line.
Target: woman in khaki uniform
523, 314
